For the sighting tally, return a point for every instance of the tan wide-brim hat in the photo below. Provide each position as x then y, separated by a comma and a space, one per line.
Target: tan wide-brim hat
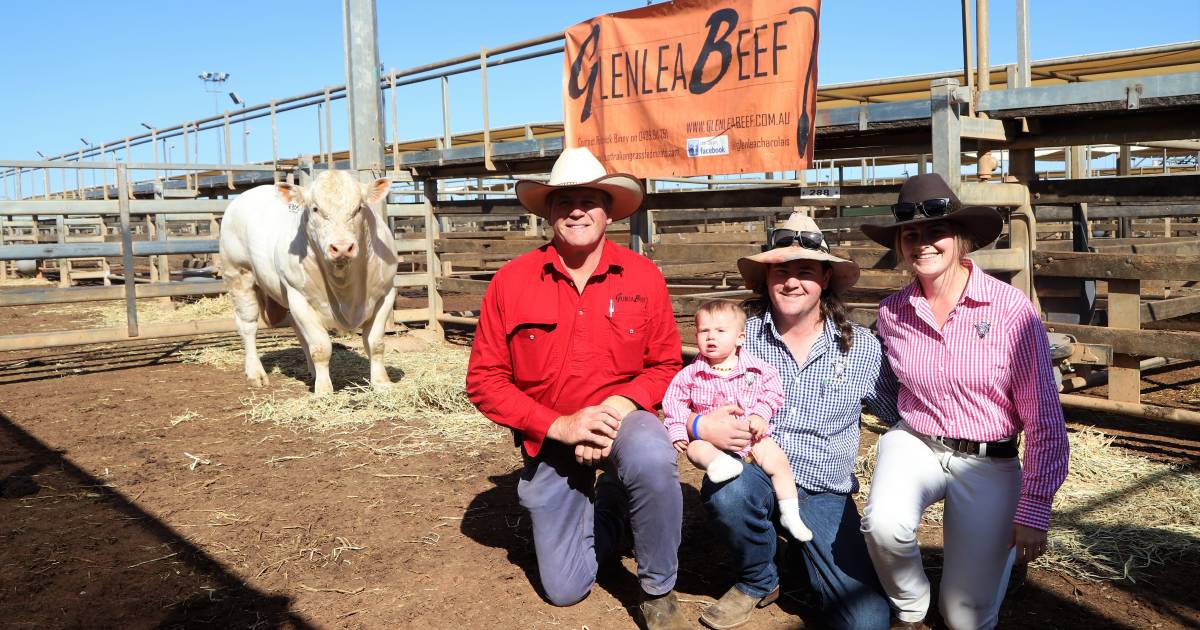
578, 168
754, 268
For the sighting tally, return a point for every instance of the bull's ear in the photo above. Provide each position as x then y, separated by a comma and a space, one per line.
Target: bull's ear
291, 193
377, 190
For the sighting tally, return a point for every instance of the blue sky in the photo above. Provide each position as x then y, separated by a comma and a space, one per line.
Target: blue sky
97, 69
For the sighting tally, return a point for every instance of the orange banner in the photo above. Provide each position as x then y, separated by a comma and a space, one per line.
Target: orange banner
695, 87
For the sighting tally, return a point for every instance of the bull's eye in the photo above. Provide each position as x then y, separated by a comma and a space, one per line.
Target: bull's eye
316, 210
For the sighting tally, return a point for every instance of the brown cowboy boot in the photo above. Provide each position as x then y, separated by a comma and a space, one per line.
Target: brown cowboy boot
734, 608
662, 612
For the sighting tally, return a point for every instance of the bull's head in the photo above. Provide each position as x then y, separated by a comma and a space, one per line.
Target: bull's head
336, 203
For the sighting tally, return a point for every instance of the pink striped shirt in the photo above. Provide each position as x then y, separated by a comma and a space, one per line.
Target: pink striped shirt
753, 385
985, 376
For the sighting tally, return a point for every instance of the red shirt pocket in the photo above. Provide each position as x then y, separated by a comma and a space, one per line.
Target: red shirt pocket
531, 346
627, 342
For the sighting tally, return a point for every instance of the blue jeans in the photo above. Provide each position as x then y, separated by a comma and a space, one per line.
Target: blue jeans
572, 535
835, 560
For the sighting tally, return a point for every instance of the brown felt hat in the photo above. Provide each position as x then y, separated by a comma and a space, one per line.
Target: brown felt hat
981, 223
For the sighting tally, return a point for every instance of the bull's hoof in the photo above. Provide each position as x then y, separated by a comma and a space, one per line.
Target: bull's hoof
258, 380
381, 384
322, 389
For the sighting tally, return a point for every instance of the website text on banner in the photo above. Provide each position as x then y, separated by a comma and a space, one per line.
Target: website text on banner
698, 87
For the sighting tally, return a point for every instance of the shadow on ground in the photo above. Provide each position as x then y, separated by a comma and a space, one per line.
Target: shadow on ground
81, 554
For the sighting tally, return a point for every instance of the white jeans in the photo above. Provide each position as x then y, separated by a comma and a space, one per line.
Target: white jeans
913, 472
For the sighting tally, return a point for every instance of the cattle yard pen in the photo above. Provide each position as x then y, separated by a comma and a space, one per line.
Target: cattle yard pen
1104, 250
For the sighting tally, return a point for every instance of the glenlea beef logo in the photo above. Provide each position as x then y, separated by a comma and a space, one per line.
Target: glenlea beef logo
731, 82
669, 68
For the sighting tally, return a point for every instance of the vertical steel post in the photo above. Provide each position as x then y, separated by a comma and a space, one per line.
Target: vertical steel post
946, 130
395, 125
127, 250
362, 87
487, 130
228, 158
187, 174
326, 157
274, 144
983, 65
1023, 78
968, 73
446, 141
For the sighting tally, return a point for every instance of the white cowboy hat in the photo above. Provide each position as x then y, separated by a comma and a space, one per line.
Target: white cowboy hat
799, 234
578, 168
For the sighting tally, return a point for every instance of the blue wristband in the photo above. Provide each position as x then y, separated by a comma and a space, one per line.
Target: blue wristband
695, 427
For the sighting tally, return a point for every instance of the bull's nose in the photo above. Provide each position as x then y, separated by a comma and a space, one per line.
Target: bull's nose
343, 250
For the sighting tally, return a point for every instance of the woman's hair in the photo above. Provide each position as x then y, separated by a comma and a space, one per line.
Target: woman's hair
832, 307
963, 243
714, 307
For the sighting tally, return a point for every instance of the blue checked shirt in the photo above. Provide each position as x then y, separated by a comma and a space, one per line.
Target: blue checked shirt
818, 425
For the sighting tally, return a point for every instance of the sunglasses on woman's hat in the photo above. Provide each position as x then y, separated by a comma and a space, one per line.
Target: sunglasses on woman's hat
907, 210
784, 237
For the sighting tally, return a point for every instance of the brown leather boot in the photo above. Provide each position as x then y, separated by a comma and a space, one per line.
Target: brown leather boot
734, 608
662, 613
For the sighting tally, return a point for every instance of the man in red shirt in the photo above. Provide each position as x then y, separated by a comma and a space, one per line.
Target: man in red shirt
575, 347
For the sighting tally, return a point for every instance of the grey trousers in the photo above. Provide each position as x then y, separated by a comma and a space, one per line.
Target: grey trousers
572, 536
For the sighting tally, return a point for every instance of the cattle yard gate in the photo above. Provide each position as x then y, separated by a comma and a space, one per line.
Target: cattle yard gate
1105, 251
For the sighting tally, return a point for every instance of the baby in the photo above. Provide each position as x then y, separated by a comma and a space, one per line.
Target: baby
724, 375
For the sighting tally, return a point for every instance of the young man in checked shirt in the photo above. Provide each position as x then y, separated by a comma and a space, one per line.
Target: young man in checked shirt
829, 368
973, 363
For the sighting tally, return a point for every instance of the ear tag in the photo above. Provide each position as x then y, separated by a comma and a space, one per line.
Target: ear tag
293, 207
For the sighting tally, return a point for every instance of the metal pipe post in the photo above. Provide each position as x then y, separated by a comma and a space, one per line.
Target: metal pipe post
1023, 79
362, 87
968, 72
447, 142
983, 63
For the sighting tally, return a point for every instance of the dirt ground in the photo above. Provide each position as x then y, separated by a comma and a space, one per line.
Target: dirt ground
135, 494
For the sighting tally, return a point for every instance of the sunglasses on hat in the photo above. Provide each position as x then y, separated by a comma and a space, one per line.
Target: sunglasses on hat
783, 237
906, 210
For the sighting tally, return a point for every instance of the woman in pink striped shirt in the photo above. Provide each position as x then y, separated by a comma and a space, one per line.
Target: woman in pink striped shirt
724, 375
974, 368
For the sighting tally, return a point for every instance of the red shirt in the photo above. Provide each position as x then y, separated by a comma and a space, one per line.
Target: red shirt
542, 349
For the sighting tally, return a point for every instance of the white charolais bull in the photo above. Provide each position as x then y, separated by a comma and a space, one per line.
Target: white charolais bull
318, 252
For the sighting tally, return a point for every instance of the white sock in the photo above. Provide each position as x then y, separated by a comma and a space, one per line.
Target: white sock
789, 517
724, 468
